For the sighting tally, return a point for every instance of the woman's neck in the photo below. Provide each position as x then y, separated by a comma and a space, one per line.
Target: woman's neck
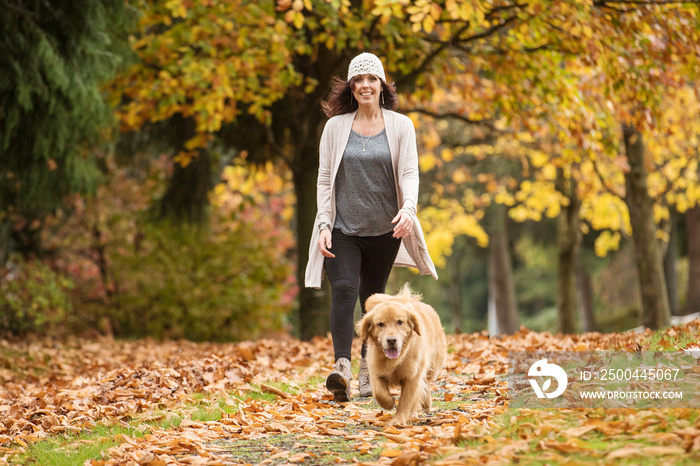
369, 114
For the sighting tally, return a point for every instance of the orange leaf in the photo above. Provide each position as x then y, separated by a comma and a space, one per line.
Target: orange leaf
391, 453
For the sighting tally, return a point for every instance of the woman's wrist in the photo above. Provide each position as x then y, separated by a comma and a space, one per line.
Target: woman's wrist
407, 211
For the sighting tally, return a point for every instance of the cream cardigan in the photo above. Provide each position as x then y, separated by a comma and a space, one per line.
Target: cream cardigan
404, 159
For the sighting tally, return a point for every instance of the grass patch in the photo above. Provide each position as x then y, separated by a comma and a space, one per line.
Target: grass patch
72, 449
208, 407
315, 381
281, 449
551, 437
659, 341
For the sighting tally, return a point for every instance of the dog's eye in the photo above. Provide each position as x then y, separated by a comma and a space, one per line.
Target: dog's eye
380, 324
400, 322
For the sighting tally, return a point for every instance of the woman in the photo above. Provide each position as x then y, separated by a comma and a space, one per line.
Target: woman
367, 193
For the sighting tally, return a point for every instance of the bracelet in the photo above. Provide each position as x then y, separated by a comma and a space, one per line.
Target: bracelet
324, 226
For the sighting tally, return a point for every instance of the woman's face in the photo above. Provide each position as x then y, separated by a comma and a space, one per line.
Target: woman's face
367, 88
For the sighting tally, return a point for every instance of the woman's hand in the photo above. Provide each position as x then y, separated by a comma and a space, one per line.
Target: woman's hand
324, 243
404, 224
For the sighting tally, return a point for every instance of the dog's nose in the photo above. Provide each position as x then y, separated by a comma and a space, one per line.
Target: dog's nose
391, 341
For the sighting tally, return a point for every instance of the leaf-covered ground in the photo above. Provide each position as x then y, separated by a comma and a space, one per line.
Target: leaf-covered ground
110, 402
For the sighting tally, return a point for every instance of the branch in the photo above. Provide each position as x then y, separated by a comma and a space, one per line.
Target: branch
608, 188
277, 149
453, 42
419, 69
19, 10
488, 31
456, 116
669, 184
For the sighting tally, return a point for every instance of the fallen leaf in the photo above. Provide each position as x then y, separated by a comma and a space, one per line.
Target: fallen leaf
662, 451
624, 452
409, 458
390, 453
578, 431
273, 390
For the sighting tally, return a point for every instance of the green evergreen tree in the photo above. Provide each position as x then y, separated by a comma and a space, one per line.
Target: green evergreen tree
53, 57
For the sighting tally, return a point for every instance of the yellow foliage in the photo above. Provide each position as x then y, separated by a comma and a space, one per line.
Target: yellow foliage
607, 241
431, 139
460, 176
177, 9
519, 213
549, 172
661, 213
244, 185
535, 198
447, 155
427, 161
505, 198
184, 158
606, 211
198, 141
537, 158
443, 223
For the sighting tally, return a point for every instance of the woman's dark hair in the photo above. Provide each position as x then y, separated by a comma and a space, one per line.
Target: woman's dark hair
341, 100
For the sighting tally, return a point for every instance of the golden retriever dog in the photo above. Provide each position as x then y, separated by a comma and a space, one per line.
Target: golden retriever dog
406, 347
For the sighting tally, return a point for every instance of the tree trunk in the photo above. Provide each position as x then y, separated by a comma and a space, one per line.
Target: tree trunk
568, 245
306, 123
692, 303
186, 198
314, 305
500, 274
670, 266
453, 295
655, 309
6, 246
585, 286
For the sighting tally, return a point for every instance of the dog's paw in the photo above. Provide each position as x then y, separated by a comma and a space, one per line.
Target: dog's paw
427, 404
398, 421
386, 402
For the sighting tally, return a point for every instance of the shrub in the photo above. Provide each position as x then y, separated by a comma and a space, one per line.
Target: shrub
187, 283
33, 297
231, 278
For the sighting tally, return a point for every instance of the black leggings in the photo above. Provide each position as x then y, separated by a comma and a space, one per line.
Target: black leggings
361, 267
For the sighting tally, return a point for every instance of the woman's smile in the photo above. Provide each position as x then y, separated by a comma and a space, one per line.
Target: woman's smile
367, 88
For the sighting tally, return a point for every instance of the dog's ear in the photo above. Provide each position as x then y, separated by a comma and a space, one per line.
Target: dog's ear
362, 328
413, 322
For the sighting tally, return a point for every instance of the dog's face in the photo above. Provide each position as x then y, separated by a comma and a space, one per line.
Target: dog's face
389, 322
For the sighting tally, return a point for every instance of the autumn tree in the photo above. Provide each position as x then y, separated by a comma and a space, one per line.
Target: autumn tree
613, 64
252, 76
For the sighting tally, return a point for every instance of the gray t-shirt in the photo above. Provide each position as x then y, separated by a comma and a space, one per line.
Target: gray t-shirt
365, 196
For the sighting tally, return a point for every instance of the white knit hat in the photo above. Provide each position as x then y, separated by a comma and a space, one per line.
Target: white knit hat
366, 63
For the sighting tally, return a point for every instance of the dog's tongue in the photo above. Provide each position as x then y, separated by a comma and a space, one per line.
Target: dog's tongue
392, 353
